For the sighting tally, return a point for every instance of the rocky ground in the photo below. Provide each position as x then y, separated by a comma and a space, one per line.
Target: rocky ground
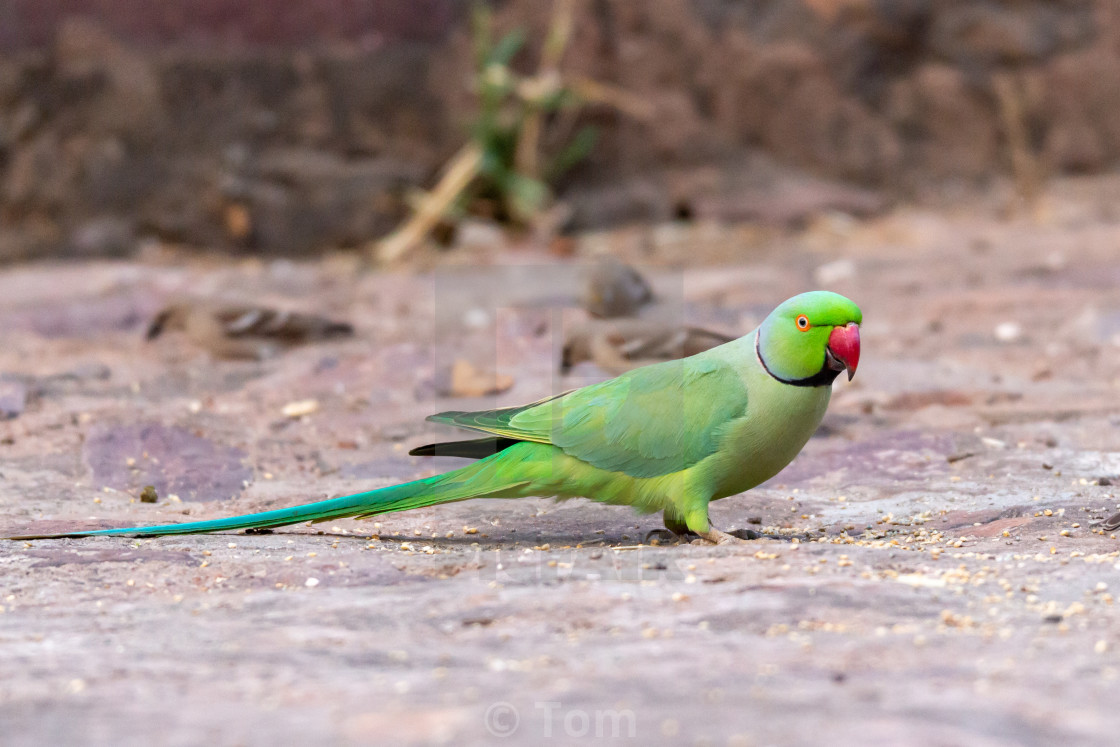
935, 576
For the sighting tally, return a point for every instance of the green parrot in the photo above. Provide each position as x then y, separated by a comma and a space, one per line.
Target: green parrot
670, 437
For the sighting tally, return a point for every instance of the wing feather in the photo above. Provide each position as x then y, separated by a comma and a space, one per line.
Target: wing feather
651, 421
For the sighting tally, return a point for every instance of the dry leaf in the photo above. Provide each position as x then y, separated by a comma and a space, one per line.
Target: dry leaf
619, 345
241, 331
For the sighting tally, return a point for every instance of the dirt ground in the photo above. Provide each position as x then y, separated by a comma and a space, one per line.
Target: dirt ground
937, 577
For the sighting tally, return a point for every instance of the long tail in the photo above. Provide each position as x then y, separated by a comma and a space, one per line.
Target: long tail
474, 481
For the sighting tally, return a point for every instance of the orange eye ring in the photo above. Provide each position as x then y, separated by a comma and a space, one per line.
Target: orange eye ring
803, 322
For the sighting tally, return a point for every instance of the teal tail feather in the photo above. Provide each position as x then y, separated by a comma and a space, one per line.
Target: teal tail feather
458, 485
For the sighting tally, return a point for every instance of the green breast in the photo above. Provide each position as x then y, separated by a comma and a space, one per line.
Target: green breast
780, 420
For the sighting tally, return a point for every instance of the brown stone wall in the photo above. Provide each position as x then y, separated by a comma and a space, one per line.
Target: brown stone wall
230, 123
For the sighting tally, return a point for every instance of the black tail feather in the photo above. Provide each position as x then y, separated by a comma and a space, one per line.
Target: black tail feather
478, 448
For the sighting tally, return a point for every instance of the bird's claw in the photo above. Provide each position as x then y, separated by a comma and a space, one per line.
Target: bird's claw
716, 537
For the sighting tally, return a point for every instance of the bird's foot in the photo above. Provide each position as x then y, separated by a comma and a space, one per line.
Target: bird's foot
666, 536
716, 537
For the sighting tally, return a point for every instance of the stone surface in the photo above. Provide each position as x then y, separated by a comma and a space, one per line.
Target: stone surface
173, 460
947, 584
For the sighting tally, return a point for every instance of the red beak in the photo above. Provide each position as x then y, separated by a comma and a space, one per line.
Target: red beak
843, 349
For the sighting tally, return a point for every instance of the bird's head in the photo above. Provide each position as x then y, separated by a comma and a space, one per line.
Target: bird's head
809, 339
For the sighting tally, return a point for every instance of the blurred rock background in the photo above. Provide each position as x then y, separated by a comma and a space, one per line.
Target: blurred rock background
232, 124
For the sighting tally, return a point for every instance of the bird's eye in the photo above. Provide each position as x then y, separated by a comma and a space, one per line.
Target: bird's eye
803, 322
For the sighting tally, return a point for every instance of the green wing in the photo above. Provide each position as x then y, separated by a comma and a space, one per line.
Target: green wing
651, 421
498, 421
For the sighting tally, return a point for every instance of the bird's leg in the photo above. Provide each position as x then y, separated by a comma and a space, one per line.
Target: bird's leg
674, 523
697, 521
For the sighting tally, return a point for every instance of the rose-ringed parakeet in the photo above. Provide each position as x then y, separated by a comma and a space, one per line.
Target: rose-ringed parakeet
668, 437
